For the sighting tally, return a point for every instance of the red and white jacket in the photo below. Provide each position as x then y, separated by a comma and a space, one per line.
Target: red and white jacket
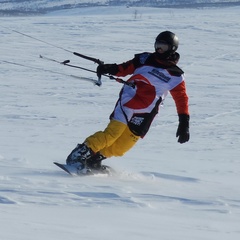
153, 79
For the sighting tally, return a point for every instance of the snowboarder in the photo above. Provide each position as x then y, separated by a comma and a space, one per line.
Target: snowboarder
153, 75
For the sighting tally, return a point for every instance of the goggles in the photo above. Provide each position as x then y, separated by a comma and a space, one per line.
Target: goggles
161, 45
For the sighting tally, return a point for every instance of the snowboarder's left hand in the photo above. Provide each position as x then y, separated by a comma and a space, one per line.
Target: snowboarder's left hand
183, 128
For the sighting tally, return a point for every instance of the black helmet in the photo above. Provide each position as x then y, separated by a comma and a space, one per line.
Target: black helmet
168, 38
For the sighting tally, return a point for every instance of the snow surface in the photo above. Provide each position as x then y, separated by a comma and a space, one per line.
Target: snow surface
162, 190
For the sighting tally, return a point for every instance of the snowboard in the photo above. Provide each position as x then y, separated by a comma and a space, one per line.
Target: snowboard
73, 170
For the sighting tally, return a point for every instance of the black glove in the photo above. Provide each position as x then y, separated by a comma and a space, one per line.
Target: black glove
183, 128
107, 68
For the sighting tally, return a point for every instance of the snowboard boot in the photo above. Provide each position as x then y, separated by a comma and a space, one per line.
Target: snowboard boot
95, 162
80, 154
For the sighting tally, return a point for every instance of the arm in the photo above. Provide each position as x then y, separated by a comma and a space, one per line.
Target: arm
123, 69
120, 70
180, 97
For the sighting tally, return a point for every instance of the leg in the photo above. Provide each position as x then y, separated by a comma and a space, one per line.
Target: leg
106, 138
94, 143
123, 144
115, 140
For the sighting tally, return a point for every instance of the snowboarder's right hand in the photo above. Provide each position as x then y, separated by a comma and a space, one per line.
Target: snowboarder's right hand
107, 68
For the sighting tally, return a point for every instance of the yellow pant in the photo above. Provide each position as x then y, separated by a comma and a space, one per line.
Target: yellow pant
115, 140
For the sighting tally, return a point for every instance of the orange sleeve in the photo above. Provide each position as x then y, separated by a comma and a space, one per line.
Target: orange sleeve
180, 97
125, 69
